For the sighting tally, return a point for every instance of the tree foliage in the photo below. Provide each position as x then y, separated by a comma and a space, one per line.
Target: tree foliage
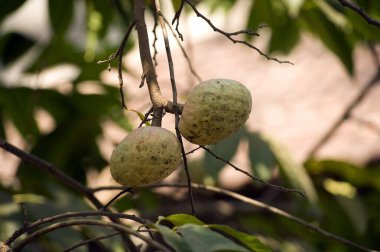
342, 198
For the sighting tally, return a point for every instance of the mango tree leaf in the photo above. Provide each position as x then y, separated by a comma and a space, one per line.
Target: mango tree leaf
249, 241
60, 13
173, 239
7, 7
292, 171
182, 219
203, 239
225, 149
261, 156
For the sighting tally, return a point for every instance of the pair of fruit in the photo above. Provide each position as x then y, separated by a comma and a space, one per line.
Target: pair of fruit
214, 110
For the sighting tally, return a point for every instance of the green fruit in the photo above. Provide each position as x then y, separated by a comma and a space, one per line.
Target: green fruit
147, 155
214, 110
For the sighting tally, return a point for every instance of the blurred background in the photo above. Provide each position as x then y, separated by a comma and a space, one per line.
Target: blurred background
314, 126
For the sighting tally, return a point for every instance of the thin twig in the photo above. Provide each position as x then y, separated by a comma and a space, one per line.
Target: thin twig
90, 240
68, 215
146, 116
230, 35
254, 177
174, 91
128, 189
193, 150
192, 70
119, 55
176, 19
69, 223
273, 210
154, 43
360, 11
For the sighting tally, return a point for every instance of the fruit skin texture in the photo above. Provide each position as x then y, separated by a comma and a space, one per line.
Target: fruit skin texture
214, 110
147, 155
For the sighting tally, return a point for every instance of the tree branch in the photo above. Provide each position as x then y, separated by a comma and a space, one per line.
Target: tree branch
63, 178
68, 215
69, 223
175, 104
253, 177
360, 11
231, 34
90, 240
119, 54
273, 210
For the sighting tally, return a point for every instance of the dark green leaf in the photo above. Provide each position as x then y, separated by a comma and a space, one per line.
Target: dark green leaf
18, 105
204, 239
285, 36
261, 156
60, 13
332, 36
249, 241
173, 239
14, 45
225, 149
7, 7
355, 211
292, 171
182, 219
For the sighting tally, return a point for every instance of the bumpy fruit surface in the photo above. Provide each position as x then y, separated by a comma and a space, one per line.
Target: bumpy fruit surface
147, 155
214, 110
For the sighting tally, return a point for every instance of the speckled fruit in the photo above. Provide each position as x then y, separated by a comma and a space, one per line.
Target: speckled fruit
214, 110
147, 155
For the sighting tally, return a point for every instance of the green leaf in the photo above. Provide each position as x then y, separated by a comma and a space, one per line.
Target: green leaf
225, 149
14, 45
182, 219
176, 4
18, 105
203, 239
285, 36
261, 156
60, 13
355, 211
173, 239
332, 36
357, 176
7, 7
249, 241
292, 171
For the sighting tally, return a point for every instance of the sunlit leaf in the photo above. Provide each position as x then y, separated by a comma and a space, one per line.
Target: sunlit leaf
182, 219
202, 238
249, 241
